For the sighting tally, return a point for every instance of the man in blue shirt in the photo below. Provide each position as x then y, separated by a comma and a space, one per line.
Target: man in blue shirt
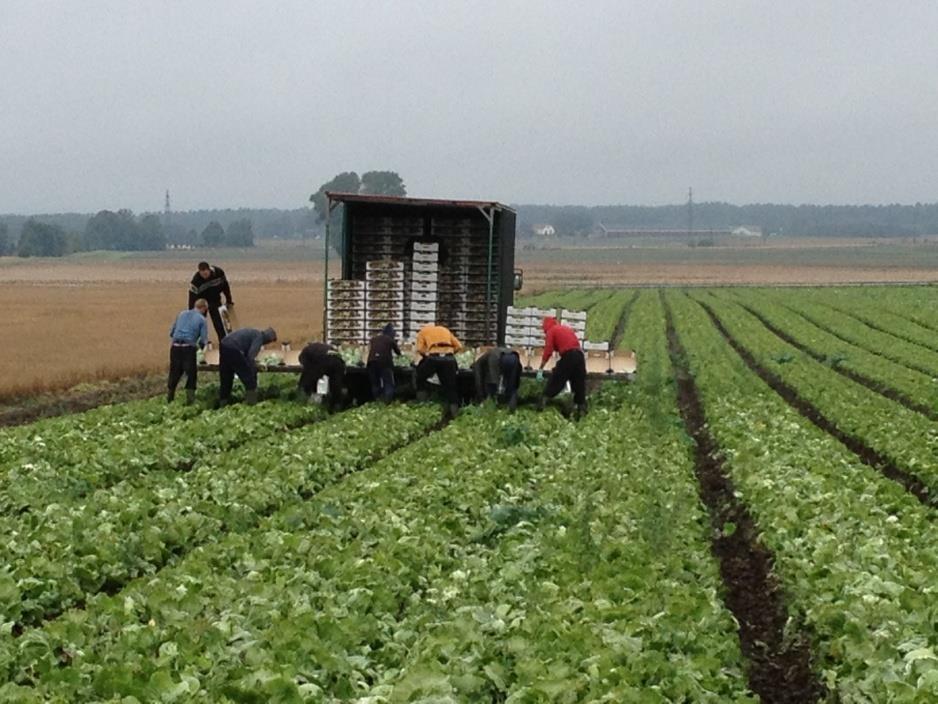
188, 332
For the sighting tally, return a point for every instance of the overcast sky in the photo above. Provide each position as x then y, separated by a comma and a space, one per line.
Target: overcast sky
107, 104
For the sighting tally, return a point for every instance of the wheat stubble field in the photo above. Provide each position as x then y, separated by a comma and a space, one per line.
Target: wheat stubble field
104, 316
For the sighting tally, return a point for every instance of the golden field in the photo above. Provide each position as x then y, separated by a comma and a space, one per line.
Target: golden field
103, 316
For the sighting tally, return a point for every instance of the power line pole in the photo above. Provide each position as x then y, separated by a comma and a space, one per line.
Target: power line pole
690, 211
166, 210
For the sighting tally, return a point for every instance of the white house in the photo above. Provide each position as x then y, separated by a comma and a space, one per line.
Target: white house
544, 230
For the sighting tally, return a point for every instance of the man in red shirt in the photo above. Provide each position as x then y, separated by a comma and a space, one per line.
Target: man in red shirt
571, 366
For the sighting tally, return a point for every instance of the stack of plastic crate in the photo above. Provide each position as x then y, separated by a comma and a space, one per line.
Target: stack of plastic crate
524, 326
345, 311
384, 295
574, 319
423, 290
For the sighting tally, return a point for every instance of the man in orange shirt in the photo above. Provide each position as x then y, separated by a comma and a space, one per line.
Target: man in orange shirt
436, 346
571, 366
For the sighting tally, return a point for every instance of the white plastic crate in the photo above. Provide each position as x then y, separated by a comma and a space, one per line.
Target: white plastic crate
426, 286
384, 265
424, 297
425, 277
345, 284
427, 308
426, 267
426, 247
570, 315
426, 257
595, 346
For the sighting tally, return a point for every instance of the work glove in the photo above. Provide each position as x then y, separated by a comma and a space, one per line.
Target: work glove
540, 375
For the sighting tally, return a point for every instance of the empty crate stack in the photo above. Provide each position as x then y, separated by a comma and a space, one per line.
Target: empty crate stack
384, 295
464, 278
423, 288
576, 320
345, 312
524, 326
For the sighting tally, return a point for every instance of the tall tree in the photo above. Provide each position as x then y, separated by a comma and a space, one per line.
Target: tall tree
4, 239
38, 239
150, 234
385, 183
213, 235
240, 233
346, 182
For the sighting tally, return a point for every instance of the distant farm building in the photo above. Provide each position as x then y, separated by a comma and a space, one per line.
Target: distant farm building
672, 234
544, 230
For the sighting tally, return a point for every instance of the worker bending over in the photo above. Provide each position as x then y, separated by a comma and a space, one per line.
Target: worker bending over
380, 366
189, 332
237, 357
499, 367
436, 346
319, 359
570, 368
209, 283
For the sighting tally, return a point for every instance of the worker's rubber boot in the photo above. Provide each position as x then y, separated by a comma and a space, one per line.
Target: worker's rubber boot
581, 410
222, 402
513, 403
450, 411
170, 395
541, 403
250, 397
190, 396
423, 396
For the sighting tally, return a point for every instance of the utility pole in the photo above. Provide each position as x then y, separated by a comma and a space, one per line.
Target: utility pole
690, 211
166, 210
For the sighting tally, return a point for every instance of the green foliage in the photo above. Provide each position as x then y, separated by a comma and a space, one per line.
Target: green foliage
240, 233
213, 235
39, 239
388, 183
121, 231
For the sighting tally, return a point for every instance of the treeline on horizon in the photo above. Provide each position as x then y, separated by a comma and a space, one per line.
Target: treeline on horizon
122, 230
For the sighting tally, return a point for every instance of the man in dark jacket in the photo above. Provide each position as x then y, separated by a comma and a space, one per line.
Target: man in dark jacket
237, 353
380, 365
320, 359
499, 367
210, 283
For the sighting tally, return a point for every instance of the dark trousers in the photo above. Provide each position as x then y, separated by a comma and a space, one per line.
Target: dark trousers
182, 360
510, 366
445, 368
572, 368
232, 362
315, 367
381, 377
217, 322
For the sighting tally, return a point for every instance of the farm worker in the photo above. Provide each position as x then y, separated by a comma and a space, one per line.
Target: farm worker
436, 346
188, 331
380, 366
319, 359
571, 367
500, 366
237, 354
209, 283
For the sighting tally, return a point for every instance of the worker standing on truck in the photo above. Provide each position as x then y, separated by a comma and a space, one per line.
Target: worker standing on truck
209, 283
189, 331
499, 367
380, 366
237, 353
320, 359
436, 346
571, 366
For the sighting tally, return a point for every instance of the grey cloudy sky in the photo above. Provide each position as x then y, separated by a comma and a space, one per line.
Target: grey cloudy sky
230, 103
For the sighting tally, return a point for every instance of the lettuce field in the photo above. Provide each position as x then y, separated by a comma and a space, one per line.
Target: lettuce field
751, 519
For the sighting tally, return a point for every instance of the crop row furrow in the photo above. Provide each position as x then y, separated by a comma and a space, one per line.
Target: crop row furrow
852, 549
896, 382
886, 435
